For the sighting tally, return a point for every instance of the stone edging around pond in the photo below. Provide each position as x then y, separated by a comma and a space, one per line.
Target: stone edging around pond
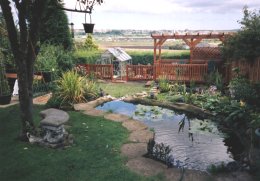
137, 146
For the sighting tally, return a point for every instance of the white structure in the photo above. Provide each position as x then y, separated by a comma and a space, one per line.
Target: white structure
118, 57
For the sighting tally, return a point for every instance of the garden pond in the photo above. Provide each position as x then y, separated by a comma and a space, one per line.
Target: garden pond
196, 143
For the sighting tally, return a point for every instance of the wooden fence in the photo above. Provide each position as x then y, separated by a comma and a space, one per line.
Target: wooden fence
249, 70
182, 72
172, 72
99, 71
139, 72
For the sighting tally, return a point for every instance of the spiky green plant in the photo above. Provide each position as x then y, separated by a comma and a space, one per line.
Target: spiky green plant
70, 88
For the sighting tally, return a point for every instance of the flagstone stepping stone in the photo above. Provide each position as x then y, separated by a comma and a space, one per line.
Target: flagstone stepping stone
141, 136
133, 125
133, 150
145, 166
82, 107
116, 117
94, 112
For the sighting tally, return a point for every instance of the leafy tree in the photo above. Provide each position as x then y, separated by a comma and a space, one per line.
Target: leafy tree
90, 44
246, 43
23, 45
55, 27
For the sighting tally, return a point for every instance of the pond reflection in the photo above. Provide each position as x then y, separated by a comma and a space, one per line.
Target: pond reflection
195, 143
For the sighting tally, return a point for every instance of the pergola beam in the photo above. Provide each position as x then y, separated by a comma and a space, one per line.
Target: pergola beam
189, 36
190, 39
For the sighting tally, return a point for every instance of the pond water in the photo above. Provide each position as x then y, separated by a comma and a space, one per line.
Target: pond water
195, 143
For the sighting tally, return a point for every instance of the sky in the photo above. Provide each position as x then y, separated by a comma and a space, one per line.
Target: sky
165, 14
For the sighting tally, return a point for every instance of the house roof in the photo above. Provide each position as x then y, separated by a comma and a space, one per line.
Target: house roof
120, 54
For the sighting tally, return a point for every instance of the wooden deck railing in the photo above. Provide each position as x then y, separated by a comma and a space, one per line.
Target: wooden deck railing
172, 72
182, 72
174, 61
139, 72
99, 71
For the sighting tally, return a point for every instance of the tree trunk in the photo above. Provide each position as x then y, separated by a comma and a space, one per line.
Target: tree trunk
29, 14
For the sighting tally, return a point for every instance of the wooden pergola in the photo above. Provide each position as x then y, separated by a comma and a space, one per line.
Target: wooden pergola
190, 39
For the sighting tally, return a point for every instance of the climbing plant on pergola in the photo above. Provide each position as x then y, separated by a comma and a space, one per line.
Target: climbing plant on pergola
190, 39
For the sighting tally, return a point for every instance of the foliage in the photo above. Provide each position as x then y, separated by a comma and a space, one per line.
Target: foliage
4, 45
215, 78
89, 43
54, 27
215, 169
90, 89
241, 89
4, 87
54, 102
146, 57
47, 58
53, 58
246, 43
86, 57
70, 88
157, 151
164, 85
178, 46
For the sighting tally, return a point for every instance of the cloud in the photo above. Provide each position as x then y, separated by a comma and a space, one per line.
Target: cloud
171, 6
220, 6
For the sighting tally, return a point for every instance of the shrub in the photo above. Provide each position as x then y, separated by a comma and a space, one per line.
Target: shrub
53, 58
146, 57
164, 85
70, 88
86, 57
90, 89
241, 89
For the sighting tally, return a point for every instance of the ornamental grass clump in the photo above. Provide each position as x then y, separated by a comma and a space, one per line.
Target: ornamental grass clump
70, 88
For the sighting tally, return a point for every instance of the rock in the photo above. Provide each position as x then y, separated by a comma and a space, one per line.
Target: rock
54, 117
116, 117
133, 125
94, 112
141, 136
133, 150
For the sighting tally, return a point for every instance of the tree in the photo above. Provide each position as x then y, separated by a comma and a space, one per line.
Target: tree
23, 45
246, 43
89, 43
55, 26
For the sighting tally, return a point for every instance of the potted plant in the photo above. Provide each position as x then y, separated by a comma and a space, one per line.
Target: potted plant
88, 27
5, 94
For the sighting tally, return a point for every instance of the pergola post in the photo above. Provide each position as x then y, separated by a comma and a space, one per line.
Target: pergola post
154, 51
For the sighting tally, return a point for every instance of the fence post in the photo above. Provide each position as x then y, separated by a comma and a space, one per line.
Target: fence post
127, 73
112, 71
154, 71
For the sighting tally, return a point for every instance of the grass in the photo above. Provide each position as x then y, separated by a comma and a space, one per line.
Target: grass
122, 89
95, 155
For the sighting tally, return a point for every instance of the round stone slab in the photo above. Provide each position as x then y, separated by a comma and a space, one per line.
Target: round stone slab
54, 117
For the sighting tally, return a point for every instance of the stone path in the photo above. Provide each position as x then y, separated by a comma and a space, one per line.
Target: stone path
137, 147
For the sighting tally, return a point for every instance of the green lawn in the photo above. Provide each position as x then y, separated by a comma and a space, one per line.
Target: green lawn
95, 156
122, 89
